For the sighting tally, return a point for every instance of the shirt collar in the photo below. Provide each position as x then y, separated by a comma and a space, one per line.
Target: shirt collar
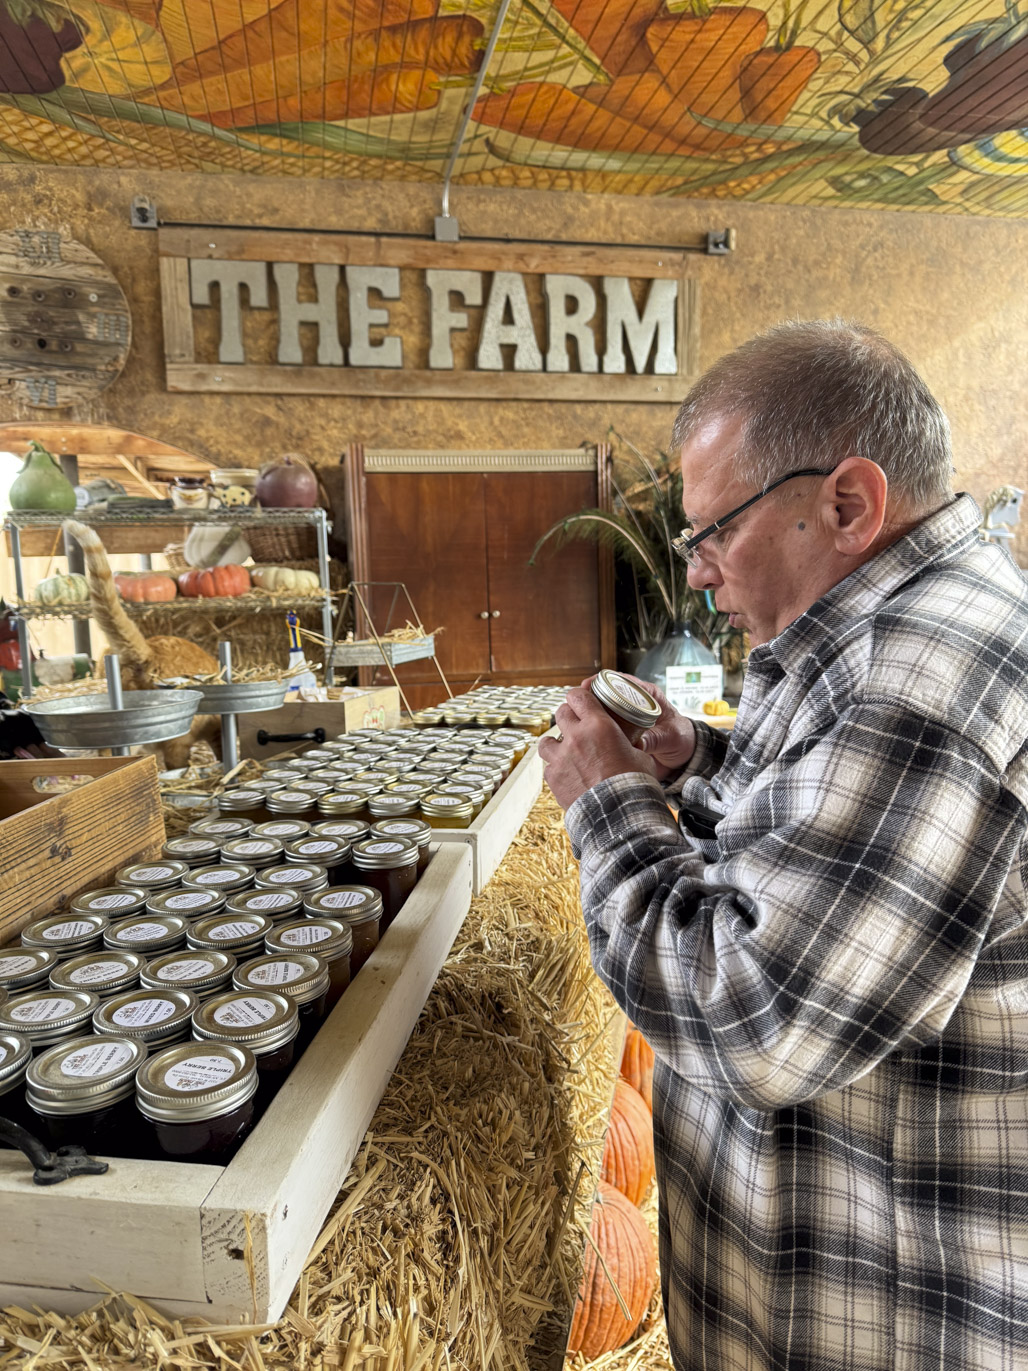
941, 536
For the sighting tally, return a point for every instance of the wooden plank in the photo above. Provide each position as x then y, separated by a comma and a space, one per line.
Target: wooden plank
297, 245
176, 310
93, 440
375, 708
441, 385
46, 542
492, 832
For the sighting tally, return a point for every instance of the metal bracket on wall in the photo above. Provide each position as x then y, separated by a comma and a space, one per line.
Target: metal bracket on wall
720, 242
143, 212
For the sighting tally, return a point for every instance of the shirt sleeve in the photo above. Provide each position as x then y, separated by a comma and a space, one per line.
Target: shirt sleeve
855, 888
707, 758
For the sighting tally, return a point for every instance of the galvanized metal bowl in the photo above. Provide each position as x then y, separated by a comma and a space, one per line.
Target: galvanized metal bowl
241, 697
88, 721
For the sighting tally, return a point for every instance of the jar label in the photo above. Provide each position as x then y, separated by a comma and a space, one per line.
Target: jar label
199, 1073
383, 847
4, 1054
189, 844
632, 694
244, 1013
16, 966
111, 901
271, 899
255, 848
398, 826
294, 877
41, 1011
97, 971
141, 1013
215, 877
142, 933
448, 800
303, 937
73, 929
342, 899
346, 828
241, 929
96, 1059
152, 873
188, 899
186, 970
274, 830
312, 849
213, 826
406, 788
277, 973
246, 795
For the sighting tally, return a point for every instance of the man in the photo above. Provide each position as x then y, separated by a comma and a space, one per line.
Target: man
830, 954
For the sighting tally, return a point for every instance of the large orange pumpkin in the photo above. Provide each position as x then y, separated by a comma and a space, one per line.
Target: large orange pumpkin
637, 1064
621, 1235
628, 1151
147, 587
217, 580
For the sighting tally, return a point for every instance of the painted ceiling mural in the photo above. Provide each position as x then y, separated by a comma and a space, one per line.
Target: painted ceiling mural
911, 104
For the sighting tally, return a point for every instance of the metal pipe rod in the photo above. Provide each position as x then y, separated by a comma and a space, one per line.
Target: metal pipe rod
326, 604
21, 624
229, 750
479, 80
112, 670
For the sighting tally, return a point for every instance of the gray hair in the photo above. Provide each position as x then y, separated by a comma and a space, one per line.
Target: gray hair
813, 393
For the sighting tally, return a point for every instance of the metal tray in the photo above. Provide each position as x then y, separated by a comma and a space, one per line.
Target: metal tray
149, 716
240, 697
366, 652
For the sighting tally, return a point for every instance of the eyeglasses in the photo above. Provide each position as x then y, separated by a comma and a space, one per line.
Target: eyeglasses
687, 542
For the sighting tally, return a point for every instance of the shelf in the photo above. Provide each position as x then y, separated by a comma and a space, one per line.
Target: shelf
366, 652
221, 604
144, 532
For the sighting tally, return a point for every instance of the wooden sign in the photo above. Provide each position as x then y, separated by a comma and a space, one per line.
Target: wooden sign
65, 326
317, 313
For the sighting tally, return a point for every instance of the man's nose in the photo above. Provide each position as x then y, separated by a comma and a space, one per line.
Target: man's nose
703, 573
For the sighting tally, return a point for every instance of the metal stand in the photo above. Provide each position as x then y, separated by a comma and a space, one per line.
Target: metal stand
357, 654
112, 670
229, 749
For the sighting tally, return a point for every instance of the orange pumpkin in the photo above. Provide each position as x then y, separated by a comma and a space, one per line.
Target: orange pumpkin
637, 1064
148, 588
628, 1150
620, 1233
215, 581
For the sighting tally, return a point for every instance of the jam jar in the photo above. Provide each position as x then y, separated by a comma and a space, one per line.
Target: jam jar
199, 1098
204, 973
262, 1020
83, 1091
411, 830
104, 973
148, 934
277, 905
321, 755
291, 804
473, 792
391, 804
390, 866
347, 829
46, 1017
331, 853
253, 851
220, 829
518, 739
300, 975
329, 939
304, 877
15, 1055
534, 723
500, 757
25, 968
66, 934
285, 830
447, 811
241, 802
633, 709
157, 1018
151, 876
192, 850
116, 901
343, 804
414, 786
187, 904
361, 907
242, 935
226, 878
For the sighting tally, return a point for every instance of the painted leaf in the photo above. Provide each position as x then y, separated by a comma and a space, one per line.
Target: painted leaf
124, 54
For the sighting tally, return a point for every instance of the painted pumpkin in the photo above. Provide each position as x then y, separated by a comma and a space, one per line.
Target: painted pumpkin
628, 1150
637, 1064
215, 582
148, 588
71, 589
621, 1236
285, 578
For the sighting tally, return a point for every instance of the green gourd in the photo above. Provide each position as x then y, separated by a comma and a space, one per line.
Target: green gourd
41, 484
72, 589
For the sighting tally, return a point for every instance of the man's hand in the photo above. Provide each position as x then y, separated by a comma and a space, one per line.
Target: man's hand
591, 749
671, 741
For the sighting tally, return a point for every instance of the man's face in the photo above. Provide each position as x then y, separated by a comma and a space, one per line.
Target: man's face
771, 562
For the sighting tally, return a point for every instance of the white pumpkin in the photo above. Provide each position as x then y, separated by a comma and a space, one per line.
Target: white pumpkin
285, 578
63, 590
210, 545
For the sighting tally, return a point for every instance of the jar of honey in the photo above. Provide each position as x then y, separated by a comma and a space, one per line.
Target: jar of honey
147, 934
470, 791
329, 939
46, 1017
390, 804
302, 877
104, 973
407, 830
344, 804
25, 968
390, 866
300, 975
204, 973
447, 811
199, 1098
82, 1092
349, 830
115, 901
66, 934
262, 1020
291, 804
361, 907
331, 853
633, 709
157, 1018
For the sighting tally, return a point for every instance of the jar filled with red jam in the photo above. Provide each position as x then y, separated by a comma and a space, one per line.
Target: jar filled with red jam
66, 934
82, 1091
47, 1017
242, 935
390, 866
192, 850
277, 905
25, 968
262, 1020
361, 907
329, 939
199, 1097
283, 830
162, 874
204, 973
226, 878
147, 934
300, 975
291, 804
104, 973
158, 1018
15, 1055
411, 830
114, 901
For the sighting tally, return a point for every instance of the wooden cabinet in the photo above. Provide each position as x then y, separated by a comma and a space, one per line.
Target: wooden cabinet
458, 530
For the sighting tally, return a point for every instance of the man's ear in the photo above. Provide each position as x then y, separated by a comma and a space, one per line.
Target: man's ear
854, 504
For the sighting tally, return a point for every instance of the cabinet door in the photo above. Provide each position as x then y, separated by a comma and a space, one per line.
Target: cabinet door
544, 617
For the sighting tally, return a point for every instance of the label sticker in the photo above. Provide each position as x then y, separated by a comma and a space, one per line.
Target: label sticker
690, 687
72, 929
240, 929
398, 826
96, 1059
448, 800
244, 1013
245, 794
142, 933
199, 1073
219, 877
42, 1011
190, 844
274, 830
112, 901
300, 873
97, 972
140, 1013
271, 899
305, 936
188, 899
186, 970
312, 849
342, 899
152, 873
277, 973
4, 1054
379, 848
213, 826
254, 848
16, 966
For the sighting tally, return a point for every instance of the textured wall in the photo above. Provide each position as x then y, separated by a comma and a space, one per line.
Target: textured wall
946, 289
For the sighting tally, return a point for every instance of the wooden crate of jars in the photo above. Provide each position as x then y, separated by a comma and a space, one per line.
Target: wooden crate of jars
227, 1242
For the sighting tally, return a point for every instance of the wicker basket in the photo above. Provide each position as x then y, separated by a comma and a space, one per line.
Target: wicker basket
283, 543
174, 554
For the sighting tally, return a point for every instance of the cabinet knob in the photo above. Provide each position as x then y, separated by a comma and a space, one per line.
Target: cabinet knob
496, 613
484, 614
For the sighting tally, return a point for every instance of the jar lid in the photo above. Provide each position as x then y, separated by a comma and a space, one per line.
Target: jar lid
354, 903
367, 783
491, 718
229, 931
305, 763
147, 933
284, 829
253, 851
483, 772
264, 785
625, 699
194, 1081
411, 787
408, 830
15, 1055
105, 973
220, 829
189, 904
284, 775
66, 934
300, 975
318, 849
320, 754
328, 938
203, 971
261, 1020
393, 802
22, 968
426, 718
83, 1074
449, 806
192, 850
238, 800
475, 793
312, 786
226, 877
303, 876
289, 802
347, 829
44, 1016
152, 1016
525, 717
342, 802
116, 901
276, 904
151, 875
383, 854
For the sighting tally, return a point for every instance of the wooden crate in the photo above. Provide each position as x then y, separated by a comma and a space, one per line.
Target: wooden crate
177, 1234
377, 708
53, 846
492, 831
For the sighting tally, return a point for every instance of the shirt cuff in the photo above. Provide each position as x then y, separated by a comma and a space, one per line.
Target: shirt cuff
707, 759
616, 809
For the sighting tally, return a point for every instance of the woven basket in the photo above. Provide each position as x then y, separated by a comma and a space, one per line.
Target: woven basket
283, 543
174, 554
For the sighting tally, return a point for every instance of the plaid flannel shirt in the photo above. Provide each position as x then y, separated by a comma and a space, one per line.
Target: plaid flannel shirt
836, 985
